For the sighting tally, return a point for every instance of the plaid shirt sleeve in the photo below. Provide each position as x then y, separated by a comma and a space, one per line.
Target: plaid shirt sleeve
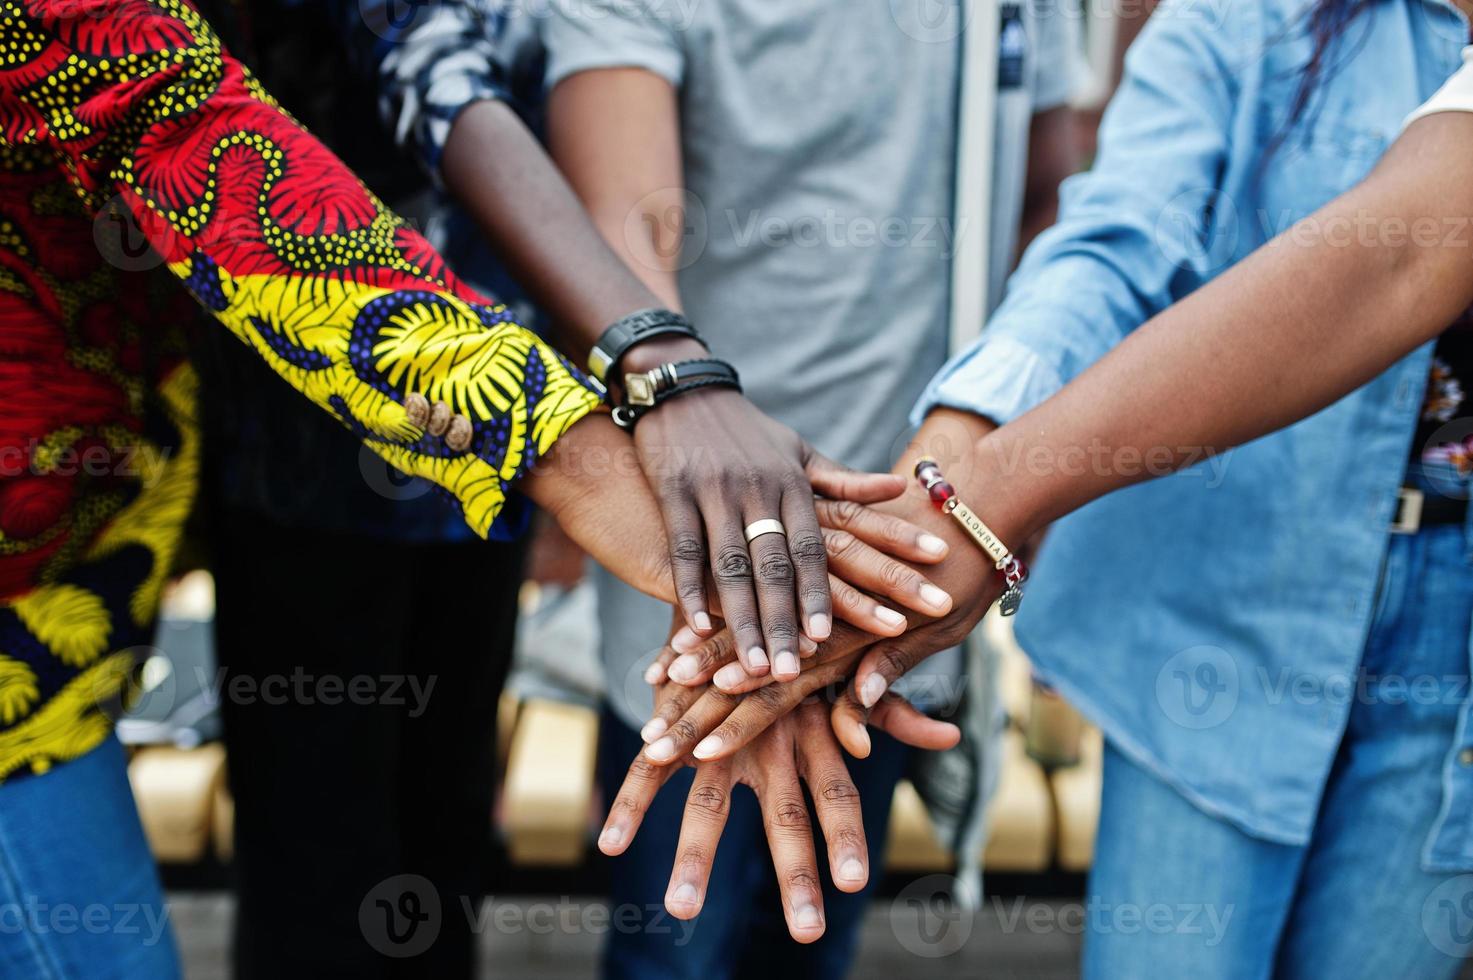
429, 61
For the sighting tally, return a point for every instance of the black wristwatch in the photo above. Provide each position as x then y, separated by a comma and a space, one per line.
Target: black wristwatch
630, 330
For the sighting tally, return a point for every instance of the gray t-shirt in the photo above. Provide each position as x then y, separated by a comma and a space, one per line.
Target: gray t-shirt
818, 142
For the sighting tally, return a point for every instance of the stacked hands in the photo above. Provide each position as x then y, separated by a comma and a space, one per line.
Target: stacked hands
777, 725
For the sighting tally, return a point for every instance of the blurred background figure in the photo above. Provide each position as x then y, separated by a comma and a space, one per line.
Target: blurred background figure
785, 176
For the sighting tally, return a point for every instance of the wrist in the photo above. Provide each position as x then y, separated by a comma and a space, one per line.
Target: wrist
981, 461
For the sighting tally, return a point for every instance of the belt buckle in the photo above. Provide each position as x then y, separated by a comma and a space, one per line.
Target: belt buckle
1408, 519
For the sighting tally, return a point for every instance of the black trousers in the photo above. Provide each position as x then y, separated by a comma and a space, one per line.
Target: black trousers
359, 690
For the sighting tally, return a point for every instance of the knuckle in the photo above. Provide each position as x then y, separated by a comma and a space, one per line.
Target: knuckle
775, 569
733, 729
846, 513
641, 769
626, 804
773, 697
708, 797
839, 790
790, 812
893, 662
688, 549
733, 565
683, 732
803, 879
795, 481
809, 550
895, 575
838, 544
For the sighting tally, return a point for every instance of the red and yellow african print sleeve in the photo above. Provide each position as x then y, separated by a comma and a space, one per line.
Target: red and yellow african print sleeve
138, 104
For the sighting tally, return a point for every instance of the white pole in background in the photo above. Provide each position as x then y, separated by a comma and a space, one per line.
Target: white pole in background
975, 144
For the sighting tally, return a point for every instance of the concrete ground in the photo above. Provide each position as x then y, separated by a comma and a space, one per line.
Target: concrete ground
1006, 939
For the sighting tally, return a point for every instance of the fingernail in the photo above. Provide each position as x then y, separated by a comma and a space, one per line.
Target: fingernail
684, 640
729, 677
612, 836
934, 597
703, 621
872, 690
786, 664
686, 895
709, 746
806, 646
653, 730
931, 544
663, 750
807, 917
889, 616
684, 669
820, 626
757, 657
654, 673
852, 870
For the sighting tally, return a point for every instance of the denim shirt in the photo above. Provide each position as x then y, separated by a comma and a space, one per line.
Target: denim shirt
1181, 613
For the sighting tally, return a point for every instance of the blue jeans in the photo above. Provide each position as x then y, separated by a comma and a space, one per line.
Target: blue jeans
79, 892
1177, 892
740, 932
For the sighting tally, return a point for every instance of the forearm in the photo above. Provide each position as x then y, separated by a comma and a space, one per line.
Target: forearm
530, 214
1308, 318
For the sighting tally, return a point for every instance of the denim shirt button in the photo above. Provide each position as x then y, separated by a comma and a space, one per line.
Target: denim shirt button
1465, 758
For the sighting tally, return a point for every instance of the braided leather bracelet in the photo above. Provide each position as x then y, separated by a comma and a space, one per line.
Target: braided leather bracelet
627, 417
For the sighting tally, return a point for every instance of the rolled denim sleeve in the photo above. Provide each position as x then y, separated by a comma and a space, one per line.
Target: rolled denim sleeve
1139, 231
429, 66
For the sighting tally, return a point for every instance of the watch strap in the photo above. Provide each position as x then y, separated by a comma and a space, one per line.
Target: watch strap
633, 329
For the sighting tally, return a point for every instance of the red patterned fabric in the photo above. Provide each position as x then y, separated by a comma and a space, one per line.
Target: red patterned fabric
123, 125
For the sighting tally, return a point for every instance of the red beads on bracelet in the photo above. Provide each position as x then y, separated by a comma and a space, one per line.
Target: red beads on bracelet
936, 486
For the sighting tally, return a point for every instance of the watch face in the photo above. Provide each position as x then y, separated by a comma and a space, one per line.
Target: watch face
640, 389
